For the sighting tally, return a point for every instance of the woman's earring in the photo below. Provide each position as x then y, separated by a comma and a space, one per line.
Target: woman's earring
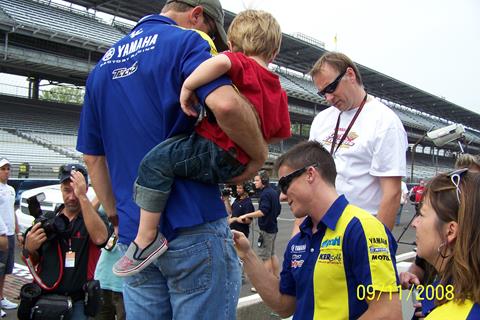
439, 250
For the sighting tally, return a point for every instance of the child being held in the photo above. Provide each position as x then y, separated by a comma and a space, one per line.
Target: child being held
209, 155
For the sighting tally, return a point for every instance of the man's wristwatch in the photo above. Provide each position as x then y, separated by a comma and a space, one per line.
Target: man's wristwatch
113, 220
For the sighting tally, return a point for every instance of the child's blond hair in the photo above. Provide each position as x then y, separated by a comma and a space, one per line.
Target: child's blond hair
255, 33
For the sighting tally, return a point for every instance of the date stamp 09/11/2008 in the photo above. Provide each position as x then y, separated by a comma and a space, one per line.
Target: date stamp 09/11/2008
428, 292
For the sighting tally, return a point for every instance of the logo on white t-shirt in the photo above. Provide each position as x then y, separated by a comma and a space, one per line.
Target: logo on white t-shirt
348, 142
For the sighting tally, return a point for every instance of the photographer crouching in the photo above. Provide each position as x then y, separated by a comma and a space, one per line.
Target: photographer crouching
61, 251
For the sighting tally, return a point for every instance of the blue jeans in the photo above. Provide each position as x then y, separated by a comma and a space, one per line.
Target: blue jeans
198, 277
192, 157
79, 311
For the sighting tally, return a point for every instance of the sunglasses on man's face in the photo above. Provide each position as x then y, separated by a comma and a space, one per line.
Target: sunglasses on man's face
332, 86
285, 181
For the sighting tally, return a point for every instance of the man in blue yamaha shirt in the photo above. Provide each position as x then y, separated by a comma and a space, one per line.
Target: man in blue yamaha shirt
131, 105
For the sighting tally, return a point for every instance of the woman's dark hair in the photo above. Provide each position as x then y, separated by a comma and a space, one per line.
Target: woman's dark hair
462, 270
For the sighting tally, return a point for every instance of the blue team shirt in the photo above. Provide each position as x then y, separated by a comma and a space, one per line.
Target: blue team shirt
270, 206
239, 208
131, 105
327, 271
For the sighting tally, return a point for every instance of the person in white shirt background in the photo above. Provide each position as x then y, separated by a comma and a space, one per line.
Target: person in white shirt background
7, 215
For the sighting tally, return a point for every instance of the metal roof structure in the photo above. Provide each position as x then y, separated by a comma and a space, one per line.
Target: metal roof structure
127, 9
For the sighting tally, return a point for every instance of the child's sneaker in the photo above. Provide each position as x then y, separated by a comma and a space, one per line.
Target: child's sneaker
135, 259
7, 304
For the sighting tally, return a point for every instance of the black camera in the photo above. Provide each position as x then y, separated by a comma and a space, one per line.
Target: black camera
249, 188
53, 224
227, 191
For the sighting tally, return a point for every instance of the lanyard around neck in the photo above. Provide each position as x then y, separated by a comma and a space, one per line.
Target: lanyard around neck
333, 150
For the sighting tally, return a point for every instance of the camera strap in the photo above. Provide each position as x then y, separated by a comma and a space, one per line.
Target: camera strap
28, 261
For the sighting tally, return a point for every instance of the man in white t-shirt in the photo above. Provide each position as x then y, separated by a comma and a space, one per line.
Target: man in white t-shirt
365, 137
7, 215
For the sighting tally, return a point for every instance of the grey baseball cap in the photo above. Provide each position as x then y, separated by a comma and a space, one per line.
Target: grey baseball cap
214, 10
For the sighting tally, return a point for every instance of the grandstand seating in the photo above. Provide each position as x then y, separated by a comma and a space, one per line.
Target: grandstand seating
55, 20
41, 134
123, 27
306, 84
43, 161
62, 143
63, 140
302, 88
411, 120
297, 87
425, 172
50, 137
78, 28
292, 107
55, 128
5, 18
39, 118
415, 119
427, 166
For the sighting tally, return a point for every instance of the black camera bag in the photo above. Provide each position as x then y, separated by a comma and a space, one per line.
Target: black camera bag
92, 297
29, 295
53, 306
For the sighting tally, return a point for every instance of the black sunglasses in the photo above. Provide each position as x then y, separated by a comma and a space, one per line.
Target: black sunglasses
332, 86
285, 181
